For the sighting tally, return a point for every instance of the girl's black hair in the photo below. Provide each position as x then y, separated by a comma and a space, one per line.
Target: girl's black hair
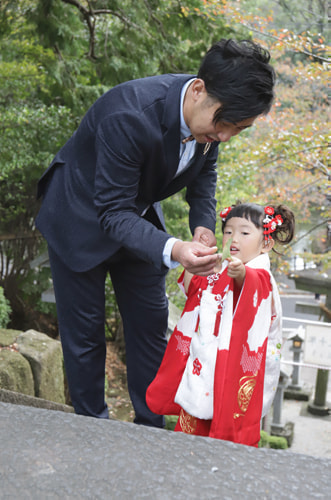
255, 213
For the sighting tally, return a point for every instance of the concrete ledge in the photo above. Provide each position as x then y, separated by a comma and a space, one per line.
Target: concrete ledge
56, 455
308, 308
297, 394
22, 399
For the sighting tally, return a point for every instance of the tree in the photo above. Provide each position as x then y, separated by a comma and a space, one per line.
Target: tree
298, 17
57, 58
289, 158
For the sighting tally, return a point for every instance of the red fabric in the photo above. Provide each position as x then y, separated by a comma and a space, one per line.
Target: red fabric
160, 395
161, 392
238, 393
192, 425
238, 419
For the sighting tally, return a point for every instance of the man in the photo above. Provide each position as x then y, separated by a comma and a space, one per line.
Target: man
101, 213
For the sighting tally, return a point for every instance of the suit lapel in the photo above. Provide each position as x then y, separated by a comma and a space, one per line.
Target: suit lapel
171, 138
195, 165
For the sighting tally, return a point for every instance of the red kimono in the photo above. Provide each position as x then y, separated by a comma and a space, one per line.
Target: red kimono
221, 367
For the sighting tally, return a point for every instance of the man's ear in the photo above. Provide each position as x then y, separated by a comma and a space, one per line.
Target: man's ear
267, 245
198, 87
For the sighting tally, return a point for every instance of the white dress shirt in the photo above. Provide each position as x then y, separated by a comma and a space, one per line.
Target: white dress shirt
185, 154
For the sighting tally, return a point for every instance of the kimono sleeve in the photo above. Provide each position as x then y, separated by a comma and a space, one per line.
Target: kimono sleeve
272, 364
160, 395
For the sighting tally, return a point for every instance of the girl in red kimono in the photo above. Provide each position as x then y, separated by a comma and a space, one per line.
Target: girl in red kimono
221, 367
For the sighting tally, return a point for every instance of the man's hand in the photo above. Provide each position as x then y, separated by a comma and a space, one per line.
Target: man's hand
204, 236
195, 257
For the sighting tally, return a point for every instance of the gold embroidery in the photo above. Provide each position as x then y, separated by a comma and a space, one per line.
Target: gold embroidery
187, 422
246, 388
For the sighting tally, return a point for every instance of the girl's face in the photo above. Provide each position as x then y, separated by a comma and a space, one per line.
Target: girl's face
247, 239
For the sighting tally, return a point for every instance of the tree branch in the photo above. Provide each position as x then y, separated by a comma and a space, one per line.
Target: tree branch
296, 51
155, 19
90, 14
283, 156
324, 222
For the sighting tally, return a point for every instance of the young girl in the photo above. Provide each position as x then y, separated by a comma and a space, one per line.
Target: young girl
221, 367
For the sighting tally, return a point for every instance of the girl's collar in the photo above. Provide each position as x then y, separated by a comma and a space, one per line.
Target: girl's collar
261, 261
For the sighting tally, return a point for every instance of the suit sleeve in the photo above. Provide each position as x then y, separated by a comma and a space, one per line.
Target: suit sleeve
120, 164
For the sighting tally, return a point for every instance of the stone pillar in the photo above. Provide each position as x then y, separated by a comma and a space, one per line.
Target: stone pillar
319, 406
296, 348
276, 427
276, 424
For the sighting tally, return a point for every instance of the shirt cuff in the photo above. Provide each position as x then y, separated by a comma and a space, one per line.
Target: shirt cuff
167, 260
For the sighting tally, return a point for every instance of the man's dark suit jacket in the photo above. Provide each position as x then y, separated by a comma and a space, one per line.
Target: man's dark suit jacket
122, 159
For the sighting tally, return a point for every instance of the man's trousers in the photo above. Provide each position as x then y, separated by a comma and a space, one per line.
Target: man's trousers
80, 300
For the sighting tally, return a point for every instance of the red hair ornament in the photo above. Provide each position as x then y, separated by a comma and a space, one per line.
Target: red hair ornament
225, 212
270, 223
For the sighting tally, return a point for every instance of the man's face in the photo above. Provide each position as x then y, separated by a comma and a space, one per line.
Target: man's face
200, 111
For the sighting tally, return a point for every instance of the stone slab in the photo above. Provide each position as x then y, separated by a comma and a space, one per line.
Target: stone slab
18, 398
55, 455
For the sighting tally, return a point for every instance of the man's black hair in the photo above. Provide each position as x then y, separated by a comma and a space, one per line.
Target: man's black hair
239, 76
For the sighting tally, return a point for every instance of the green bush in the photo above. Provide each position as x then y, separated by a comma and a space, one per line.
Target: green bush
276, 442
170, 422
264, 438
5, 310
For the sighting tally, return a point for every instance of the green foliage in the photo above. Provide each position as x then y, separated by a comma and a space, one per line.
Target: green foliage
5, 310
34, 282
134, 39
31, 133
174, 293
170, 422
284, 159
268, 441
113, 317
53, 67
175, 211
278, 443
33, 127
237, 170
295, 16
56, 60
264, 437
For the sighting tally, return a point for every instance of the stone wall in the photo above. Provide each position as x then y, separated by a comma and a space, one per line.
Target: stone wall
31, 363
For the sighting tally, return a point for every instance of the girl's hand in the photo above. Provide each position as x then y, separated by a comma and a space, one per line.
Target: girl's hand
236, 270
